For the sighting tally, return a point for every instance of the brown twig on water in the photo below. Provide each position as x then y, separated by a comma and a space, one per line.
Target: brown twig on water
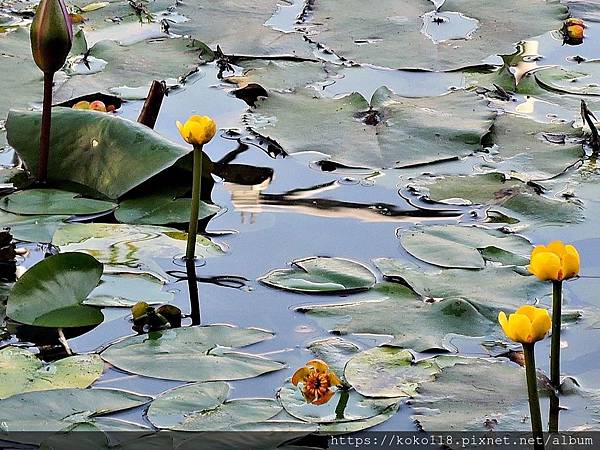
152, 105
587, 117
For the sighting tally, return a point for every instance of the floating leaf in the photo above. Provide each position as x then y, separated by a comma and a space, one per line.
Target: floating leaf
466, 247
21, 371
52, 202
388, 372
355, 133
126, 290
192, 354
130, 248
31, 228
321, 274
54, 410
358, 425
336, 351
107, 153
400, 35
51, 293
204, 407
510, 288
94, 6
421, 326
357, 406
161, 209
585, 80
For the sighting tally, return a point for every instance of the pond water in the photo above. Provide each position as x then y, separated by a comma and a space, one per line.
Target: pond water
358, 214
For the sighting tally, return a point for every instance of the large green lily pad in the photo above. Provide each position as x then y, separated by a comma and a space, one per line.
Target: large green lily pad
533, 150
161, 209
399, 313
130, 248
21, 371
204, 407
31, 228
321, 275
466, 247
495, 189
51, 293
583, 80
107, 153
391, 131
133, 66
57, 409
388, 372
336, 351
395, 33
52, 202
125, 290
357, 407
192, 354
511, 288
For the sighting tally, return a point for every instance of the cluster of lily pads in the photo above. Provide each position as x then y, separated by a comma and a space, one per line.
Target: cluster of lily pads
112, 222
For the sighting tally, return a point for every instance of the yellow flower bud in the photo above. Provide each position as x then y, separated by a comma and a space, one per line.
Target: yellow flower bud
51, 35
575, 32
555, 262
198, 130
527, 326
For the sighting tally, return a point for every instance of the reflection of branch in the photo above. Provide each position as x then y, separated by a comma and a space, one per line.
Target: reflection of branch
587, 116
190, 267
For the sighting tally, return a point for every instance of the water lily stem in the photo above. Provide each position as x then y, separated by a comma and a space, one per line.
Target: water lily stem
555, 347
190, 253
193, 291
42, 172
534, 400
63, 340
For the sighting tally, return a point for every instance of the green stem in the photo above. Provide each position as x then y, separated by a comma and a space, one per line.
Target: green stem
555, 353
190, 253
42, 172
534, 401
342, 403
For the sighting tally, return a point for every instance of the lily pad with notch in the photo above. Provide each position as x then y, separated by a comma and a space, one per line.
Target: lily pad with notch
52, 202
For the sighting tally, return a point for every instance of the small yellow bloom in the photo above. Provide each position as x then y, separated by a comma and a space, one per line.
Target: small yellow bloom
198, 130
528, 325
556, 261
317, 380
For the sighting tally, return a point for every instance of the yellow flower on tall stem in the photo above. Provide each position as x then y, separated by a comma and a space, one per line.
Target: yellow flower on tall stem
317, 381
197, 130
527, 326
555, 262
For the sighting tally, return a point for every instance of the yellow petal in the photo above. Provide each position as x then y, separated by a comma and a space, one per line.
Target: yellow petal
556, 247
318, 365
300, 375
520, 328
545, 266
324, 399
181, 128
538, 249
504, 324
540, 325
570, 262
333, 379
529, 311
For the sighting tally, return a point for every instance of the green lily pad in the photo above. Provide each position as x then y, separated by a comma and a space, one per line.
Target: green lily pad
204, 407
161, 209
534, 150
422, 325
51, 293
355, 133
125, 290
336, 351
57, 409
107, 153
466, 247
192, 354
130, 248
583, 81
211, 23
321, 275
400, 35
474, 393
510, 288
495, 189
52, 202
31, 228
358, 425
388, 372
21, 371
357, 406
133, 65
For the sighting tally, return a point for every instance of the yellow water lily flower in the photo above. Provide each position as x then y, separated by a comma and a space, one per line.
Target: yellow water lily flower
555, 262
317, 380
197, 130
528, 325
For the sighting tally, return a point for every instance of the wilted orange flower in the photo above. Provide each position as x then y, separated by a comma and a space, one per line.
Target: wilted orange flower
317, 380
